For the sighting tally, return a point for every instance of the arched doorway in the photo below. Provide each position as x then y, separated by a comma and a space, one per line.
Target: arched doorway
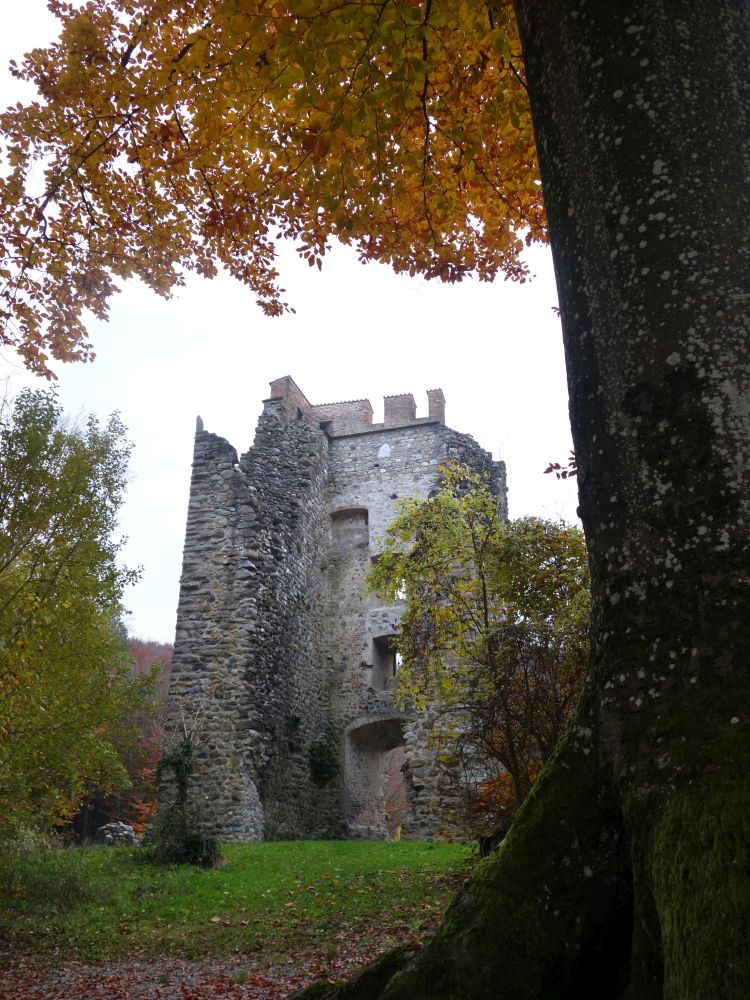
374, 792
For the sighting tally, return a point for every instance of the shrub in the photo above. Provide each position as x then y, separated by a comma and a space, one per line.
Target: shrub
177, 837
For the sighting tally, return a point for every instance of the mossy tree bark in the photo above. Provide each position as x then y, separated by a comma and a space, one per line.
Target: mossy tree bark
642, 113
626, 872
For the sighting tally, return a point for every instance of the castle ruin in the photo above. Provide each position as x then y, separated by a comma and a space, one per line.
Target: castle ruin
280, 650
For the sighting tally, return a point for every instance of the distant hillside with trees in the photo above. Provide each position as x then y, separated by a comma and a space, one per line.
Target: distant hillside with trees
135, 804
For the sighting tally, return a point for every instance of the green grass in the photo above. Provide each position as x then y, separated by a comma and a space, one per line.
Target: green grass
101, 903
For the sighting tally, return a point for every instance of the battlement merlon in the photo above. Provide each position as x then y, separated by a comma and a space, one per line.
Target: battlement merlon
399, 410
354, 416
296, 401
436, 403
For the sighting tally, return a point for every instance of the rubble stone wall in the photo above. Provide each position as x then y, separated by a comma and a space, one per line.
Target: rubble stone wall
281, 654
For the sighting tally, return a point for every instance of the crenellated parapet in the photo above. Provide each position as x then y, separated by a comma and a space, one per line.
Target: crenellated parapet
354, 416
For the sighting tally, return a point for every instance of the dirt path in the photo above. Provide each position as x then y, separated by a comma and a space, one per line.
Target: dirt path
165, 978
157, 979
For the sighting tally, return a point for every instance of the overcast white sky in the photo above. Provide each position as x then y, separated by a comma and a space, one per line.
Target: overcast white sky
359, 331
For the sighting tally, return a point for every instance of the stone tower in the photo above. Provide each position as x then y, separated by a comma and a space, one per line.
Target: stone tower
280, 651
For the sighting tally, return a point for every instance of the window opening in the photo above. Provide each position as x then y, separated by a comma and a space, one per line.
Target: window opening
385, 662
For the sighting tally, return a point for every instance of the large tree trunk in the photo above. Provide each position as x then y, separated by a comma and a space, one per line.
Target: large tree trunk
626, 872
642, 112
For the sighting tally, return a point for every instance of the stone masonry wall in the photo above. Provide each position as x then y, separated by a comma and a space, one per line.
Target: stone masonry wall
208, 686
246, 653
371, 471
280, 651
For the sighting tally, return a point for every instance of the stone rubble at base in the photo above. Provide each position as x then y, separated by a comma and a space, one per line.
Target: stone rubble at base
117, 834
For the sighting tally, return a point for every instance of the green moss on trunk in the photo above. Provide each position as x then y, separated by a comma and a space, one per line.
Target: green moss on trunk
692, 899
625, 874
546, 913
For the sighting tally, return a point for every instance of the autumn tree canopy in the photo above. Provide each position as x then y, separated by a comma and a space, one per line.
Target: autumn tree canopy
136, 803
182, 135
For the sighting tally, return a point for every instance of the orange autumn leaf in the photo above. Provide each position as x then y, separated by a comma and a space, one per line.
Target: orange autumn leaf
176, 136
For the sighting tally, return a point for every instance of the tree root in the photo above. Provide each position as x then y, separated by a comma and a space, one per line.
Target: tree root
547, 913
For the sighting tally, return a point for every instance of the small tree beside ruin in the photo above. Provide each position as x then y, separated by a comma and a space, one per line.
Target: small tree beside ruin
494, 636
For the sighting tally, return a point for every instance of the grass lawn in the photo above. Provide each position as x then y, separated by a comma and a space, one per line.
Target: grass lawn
98, 903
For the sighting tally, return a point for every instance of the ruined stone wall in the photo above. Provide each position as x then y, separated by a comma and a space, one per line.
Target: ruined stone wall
208, 681
289, 464
280, 650
247, 657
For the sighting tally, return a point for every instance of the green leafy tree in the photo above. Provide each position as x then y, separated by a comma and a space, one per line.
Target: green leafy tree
135, 803
64, 687
494, 635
